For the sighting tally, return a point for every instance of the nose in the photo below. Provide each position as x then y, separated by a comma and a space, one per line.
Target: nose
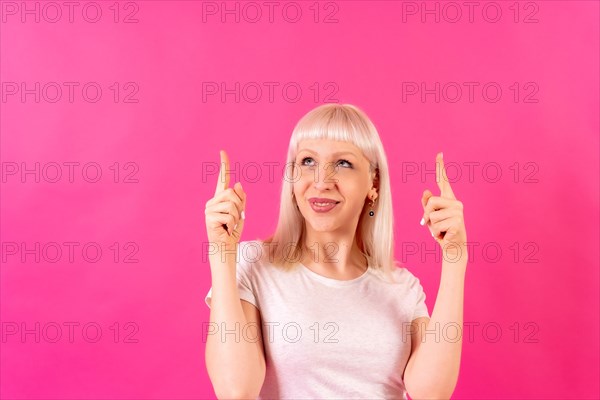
325, 176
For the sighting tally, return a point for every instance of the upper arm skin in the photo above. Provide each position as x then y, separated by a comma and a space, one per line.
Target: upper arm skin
417, 331
254, 323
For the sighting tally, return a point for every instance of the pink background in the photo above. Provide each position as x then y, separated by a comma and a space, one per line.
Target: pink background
173, 137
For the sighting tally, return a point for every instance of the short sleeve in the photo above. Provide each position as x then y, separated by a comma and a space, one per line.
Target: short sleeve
420, 306
244, 275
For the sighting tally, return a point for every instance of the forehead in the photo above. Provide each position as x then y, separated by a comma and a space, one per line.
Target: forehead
328, 147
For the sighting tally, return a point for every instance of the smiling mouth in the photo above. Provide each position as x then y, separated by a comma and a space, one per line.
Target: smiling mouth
324, 206
325, 203
322, 200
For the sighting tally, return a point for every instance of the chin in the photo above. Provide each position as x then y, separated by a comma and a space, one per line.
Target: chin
324, 227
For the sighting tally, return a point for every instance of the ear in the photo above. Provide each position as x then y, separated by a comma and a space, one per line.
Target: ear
375, 178
375, 189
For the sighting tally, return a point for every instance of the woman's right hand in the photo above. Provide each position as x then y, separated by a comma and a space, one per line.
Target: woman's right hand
225, 211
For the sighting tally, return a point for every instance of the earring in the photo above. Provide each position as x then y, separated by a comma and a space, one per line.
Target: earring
372, 213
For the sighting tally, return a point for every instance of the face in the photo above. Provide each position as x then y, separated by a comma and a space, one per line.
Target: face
338, 172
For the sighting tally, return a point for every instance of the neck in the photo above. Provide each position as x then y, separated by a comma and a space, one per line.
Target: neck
332, 253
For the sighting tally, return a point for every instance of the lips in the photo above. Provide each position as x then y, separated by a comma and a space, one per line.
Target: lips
322, 200
322, 205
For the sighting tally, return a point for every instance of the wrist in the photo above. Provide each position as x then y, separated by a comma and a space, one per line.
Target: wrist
224, 255
455, 254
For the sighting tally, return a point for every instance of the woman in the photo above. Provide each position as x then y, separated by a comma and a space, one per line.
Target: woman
320, 309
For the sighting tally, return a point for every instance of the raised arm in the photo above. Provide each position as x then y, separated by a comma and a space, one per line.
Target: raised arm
234, 353
433, 367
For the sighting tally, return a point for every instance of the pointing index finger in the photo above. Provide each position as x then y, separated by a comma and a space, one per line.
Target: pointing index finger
223, 181
442, 178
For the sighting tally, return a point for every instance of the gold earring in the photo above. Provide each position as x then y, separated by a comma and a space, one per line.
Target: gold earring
372, 213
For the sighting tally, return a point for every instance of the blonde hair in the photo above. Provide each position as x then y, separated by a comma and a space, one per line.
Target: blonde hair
374, 235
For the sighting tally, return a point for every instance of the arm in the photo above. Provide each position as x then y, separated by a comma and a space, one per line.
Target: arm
236, 368
432, 369
235, 360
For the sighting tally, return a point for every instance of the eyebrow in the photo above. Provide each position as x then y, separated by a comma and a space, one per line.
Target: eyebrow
334, 154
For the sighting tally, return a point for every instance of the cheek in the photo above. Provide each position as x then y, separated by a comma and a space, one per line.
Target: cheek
300, 187
356, 195
304, 181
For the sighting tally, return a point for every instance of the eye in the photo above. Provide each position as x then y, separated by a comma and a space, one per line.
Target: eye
340, 161
347, 162
304, 159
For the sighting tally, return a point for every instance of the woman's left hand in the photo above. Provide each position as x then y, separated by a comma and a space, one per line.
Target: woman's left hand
443, 215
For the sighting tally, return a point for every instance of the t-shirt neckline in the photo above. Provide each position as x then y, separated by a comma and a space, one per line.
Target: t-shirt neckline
331, 281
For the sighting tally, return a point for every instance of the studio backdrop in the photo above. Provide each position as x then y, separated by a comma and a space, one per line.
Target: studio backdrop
112, 117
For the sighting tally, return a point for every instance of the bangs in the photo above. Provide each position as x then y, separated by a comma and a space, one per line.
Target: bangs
335, 122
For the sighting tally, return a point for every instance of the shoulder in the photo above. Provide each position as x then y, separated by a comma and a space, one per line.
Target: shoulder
253, 256
398, 279
250, 251
403, 279
403, 276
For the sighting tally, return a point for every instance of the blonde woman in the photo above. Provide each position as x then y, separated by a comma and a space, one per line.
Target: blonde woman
321, 310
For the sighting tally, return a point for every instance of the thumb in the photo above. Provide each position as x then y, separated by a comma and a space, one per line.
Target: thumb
239, 228
239, 190
425, 198
237, 232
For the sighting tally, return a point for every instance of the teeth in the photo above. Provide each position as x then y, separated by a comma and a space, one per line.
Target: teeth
323, 204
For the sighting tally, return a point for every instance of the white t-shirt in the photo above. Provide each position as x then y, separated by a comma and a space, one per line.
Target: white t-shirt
326, 338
